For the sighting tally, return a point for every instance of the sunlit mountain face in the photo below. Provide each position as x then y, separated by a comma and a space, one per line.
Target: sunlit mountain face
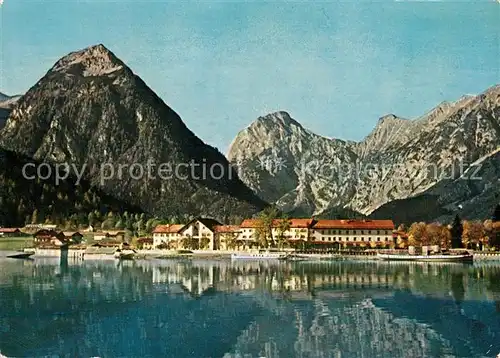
222, 309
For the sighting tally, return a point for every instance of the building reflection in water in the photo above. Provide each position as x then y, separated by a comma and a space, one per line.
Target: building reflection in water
337, 309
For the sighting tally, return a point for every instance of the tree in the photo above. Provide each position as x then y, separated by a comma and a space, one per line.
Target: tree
139, 226
265, 221
108, 224
401, 243
34, 217
284, 225
174, 220
402, 227
495, 228
438, 235
165, 246
496, 213
456, 233
473, 233
231, 240
92, 219
190, 243
150, 225
417, 235
433, 234
119, 225
111, 219
204, 243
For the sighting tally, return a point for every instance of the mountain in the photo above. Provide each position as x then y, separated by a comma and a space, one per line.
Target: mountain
21, 196
6, 104
91, 111
298, 170
281, 161
473, 195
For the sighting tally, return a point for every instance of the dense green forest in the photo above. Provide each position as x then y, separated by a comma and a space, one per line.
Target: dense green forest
71, 206
24, 200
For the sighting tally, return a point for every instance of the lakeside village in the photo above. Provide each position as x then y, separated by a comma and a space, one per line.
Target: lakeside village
267, 231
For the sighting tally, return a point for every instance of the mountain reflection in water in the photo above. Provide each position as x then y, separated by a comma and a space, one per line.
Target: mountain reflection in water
161, 308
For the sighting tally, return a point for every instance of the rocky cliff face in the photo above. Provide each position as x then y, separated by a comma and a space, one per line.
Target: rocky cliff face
401, 158
91, 111
473, 195
6, 104
281, 161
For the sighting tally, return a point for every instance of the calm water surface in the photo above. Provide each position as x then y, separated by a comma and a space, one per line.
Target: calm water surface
161, 308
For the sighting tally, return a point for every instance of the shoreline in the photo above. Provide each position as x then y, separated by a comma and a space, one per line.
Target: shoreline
224, 255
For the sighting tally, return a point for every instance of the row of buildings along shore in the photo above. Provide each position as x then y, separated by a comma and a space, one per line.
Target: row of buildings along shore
209, 234
212, 235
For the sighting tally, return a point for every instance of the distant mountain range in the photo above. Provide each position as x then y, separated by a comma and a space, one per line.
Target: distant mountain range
399, 170
90, 110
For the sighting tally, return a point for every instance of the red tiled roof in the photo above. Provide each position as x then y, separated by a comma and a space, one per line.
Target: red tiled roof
227, 228
354, 224
294, 223
45, 232
8, 229
168, 229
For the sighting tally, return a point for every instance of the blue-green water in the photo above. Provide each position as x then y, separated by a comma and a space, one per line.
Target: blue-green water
201, 309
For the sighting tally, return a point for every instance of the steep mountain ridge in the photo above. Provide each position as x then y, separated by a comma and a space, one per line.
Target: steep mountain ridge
274, 142
92, 111
472, 195
399, 159
6, 104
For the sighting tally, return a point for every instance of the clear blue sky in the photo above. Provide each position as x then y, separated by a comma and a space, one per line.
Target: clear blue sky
335, 67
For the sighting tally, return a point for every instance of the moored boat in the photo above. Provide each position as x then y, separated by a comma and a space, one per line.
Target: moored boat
124, 254
261, 255
21, 255
466, 257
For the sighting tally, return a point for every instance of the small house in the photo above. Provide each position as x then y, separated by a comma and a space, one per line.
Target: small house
145, 243
73, 236
10, 232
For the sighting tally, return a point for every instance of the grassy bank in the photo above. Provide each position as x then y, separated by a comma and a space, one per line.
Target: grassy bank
15, 243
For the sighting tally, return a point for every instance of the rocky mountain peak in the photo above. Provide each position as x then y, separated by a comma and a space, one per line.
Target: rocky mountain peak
90, 110
318, 172
388, 117
92, 61
281, 118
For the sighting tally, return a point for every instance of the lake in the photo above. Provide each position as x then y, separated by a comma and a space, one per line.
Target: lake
186, 308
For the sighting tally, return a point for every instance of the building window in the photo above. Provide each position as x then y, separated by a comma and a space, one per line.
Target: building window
369, 239
362, 239
378, 238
